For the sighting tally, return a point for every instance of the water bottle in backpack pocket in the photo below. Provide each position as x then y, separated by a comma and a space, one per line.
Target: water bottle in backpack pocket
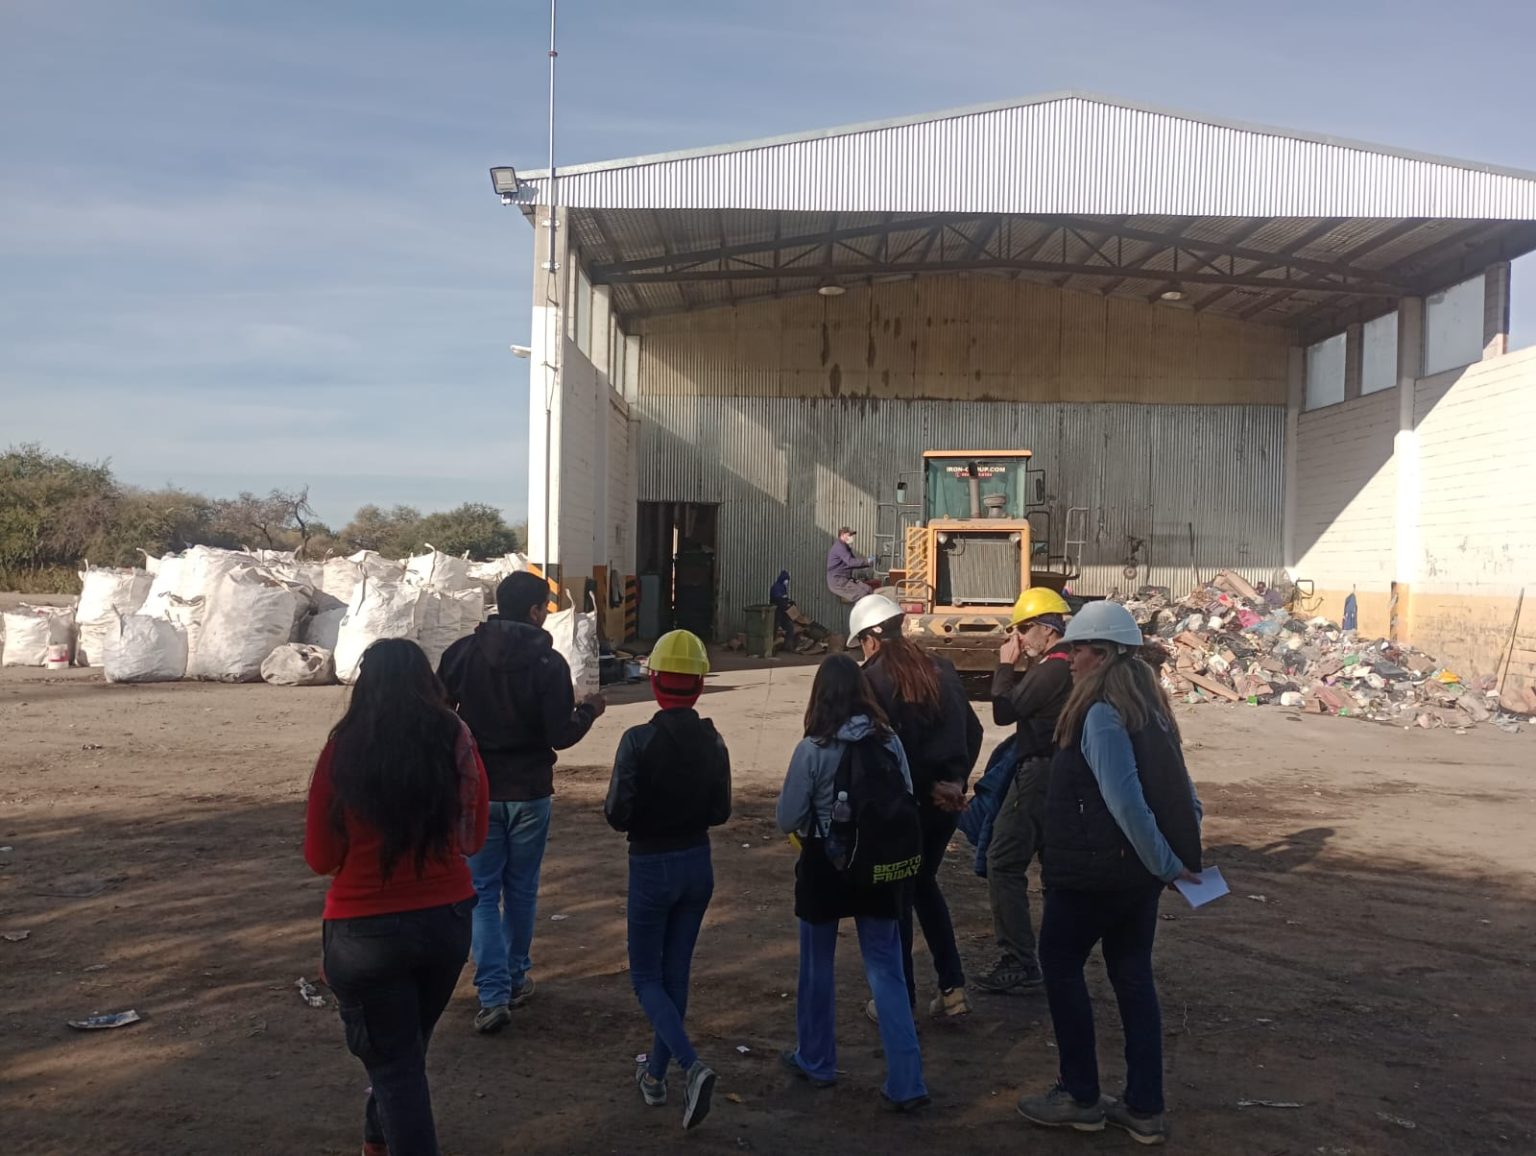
875, 837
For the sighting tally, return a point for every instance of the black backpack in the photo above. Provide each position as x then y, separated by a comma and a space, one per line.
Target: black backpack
875, 837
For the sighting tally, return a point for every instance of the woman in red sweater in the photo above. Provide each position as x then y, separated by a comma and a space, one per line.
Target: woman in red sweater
398, 798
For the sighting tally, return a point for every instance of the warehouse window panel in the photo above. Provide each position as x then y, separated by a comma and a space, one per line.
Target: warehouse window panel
1325, 372
1378, 362
1453, 327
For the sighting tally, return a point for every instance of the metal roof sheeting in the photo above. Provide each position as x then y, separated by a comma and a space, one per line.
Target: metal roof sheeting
1062, 154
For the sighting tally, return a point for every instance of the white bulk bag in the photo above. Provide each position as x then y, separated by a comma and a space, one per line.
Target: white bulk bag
105, 594
295, 664
446, 618
490, 574
340, 576
439, 571
248, 615
379, 609
144, 649
575, 637
31, 630
322, 627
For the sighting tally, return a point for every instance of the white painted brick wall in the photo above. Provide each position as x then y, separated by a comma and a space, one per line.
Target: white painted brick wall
1477, 452
1346, 494
621, 503
574, 518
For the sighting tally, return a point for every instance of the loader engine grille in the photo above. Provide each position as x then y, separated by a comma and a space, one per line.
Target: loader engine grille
978, 570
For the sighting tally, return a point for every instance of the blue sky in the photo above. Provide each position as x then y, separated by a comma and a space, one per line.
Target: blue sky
246, 245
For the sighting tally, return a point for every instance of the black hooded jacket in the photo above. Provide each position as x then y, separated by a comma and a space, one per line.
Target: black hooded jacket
514, 691
940, 748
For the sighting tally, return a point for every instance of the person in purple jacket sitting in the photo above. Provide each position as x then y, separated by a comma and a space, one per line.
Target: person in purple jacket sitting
843, 562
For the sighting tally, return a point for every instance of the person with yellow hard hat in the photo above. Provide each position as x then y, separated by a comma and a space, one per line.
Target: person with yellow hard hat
671, 783
1031, 703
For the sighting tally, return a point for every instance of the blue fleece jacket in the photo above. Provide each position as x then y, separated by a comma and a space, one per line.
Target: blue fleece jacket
805, 803
1107, 748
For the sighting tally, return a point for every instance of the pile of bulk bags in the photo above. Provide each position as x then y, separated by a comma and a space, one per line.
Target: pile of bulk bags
245, 615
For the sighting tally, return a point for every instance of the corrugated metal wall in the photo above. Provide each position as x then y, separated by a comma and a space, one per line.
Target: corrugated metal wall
968, 338
1063, 155
788, 472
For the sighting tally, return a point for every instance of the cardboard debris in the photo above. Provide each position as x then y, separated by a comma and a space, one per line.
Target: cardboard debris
1232, 641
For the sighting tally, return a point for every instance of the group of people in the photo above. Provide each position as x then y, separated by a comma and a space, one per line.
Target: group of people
430, 807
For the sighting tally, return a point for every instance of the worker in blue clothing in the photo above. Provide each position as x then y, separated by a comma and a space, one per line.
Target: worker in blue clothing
1122, 821
843, 562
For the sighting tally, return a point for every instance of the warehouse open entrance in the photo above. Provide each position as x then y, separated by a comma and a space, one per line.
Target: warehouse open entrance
676, 555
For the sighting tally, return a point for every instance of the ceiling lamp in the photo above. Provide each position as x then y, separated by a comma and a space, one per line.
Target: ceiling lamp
1172, 293
831, 290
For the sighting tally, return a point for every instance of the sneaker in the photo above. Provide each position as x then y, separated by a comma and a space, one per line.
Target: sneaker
372, 1149
871, 1011
701, 1086
1143, 1129
789, 1060
916, 1103
1057, 1109
947, 1004
490, 1020
1010, 977
652, 1090
523, 994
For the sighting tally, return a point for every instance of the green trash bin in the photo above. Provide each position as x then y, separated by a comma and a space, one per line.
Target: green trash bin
760, 631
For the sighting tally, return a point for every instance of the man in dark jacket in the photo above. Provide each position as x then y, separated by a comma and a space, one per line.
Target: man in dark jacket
1032, 703
842, 563
513, 690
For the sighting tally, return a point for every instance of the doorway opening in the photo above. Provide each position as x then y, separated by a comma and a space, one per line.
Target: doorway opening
677, 567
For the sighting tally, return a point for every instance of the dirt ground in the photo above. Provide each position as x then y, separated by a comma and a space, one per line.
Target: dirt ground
1372, 966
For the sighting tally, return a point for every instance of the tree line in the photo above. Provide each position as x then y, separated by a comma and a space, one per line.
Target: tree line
56, 513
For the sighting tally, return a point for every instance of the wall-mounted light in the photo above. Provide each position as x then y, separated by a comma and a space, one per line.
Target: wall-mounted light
522, 351
1172, 293
505, 183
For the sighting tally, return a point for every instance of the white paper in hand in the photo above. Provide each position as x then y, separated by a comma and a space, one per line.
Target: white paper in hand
1211, 886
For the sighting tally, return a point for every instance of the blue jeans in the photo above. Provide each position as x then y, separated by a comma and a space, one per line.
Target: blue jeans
1126, 923
668, 894
815, 1014
506, 874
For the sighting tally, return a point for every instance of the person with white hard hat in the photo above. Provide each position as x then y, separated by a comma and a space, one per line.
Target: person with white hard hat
1122, 821
1029, 703
927, 705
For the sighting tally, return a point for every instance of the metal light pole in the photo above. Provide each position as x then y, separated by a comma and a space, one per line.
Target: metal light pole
553, 295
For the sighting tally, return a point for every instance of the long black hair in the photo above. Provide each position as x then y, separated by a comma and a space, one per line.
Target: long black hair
394, 763
840, 693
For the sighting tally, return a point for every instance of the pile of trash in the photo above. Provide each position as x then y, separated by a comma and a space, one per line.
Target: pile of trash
249, 615
1232, 641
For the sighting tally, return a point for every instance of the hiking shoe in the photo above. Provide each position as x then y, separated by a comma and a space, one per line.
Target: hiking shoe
652, 1090
490, 1020
789, 1060
1057, 1109
947, 1004
1010, 977
523, 994
1143, 1129
915, 1104
701, 1086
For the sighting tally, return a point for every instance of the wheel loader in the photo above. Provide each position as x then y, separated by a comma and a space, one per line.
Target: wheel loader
980, 535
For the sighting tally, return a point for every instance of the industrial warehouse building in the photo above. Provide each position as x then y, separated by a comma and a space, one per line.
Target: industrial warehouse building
1227, 346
